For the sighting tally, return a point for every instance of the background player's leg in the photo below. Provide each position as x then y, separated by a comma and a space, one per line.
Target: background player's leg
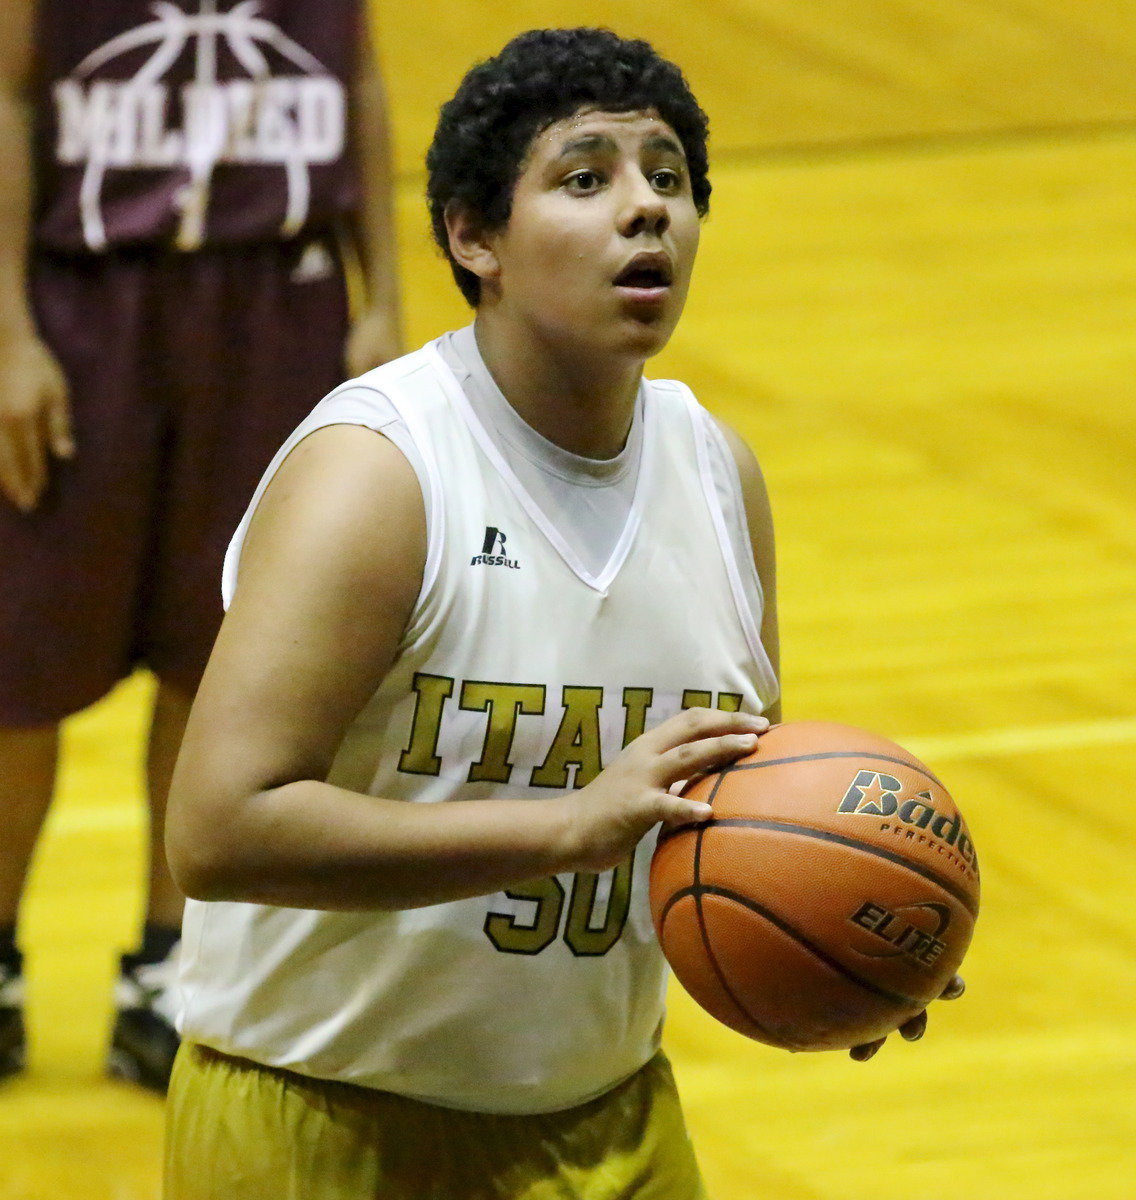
144, 1041
27, 780
167, 724
80, 566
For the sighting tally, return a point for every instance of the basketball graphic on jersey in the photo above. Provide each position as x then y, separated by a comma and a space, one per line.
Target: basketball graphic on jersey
205, 88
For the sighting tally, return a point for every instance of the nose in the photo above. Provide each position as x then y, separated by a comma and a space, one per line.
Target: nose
644, 210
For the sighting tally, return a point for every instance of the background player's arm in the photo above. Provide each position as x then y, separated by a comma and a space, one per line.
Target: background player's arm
329, 575
759, 516
376, 333
34, 411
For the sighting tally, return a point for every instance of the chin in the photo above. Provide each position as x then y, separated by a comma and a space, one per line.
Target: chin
645, 339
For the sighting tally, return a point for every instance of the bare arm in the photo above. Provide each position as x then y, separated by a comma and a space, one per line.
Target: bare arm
376, 335
329, 576
15, 163
34, 413
759, 516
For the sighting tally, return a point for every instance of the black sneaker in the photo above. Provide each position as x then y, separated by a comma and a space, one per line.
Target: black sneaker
13, 1044
144, 1041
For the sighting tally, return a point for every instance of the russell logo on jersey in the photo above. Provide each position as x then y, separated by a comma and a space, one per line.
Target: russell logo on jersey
493, 551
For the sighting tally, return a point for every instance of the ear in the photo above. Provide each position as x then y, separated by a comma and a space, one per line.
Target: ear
472, 246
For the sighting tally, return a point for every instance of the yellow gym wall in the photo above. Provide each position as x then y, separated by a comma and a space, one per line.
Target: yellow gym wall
775, 73
916, 299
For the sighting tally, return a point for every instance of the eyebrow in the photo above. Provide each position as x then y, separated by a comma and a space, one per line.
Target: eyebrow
664, 141
587, 144
600, 141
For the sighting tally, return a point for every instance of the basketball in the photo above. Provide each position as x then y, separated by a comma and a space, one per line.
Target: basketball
830, 896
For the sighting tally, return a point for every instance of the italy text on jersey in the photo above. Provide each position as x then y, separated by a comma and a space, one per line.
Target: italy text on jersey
293, 118
575, 754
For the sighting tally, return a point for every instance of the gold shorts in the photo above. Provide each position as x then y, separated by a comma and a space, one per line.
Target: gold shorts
240, 1131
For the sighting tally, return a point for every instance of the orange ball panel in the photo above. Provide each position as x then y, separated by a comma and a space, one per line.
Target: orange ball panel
873, 916
802, 1001
680, 935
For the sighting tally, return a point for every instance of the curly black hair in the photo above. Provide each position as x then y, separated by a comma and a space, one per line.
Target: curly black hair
540, 77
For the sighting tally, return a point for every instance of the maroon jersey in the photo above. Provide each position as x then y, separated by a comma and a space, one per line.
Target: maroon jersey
192, 122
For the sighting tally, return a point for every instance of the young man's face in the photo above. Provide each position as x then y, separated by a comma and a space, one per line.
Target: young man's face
600, 244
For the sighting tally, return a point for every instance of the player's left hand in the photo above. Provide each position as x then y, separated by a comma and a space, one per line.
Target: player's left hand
912, 1030
374, 338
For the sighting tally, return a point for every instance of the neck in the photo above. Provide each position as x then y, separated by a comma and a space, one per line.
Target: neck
581, 404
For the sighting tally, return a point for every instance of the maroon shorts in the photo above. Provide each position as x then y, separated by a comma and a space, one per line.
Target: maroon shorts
186, 374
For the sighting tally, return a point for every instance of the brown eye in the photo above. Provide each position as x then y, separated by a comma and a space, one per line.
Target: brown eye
666, 180
583, 181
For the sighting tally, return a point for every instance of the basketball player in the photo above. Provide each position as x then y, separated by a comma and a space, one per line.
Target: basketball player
490, 604
176, 182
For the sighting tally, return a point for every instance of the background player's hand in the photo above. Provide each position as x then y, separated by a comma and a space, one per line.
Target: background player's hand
912, 1030
35, 419
609, 816
375, 338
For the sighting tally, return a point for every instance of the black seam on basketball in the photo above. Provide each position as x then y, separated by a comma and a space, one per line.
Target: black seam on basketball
696, 891
799, 938
825, 835
860, 754
714, 789
672, 898
665, 834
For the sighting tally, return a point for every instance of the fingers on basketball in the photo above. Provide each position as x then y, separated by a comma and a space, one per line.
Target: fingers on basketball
699, 724
692, 759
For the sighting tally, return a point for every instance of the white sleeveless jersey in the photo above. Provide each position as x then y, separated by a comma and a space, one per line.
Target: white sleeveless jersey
519, 675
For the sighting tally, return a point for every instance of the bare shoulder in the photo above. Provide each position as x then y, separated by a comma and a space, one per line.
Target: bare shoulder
330, 570
759, 518
749, 471
347, 504
329, 575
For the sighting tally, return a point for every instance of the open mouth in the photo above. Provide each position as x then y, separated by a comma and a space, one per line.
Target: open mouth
646, 272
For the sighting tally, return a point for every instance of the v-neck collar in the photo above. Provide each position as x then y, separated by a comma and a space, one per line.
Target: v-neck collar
602, 581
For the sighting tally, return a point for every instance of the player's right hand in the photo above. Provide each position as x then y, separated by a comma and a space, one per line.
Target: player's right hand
608, 817
35, 419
